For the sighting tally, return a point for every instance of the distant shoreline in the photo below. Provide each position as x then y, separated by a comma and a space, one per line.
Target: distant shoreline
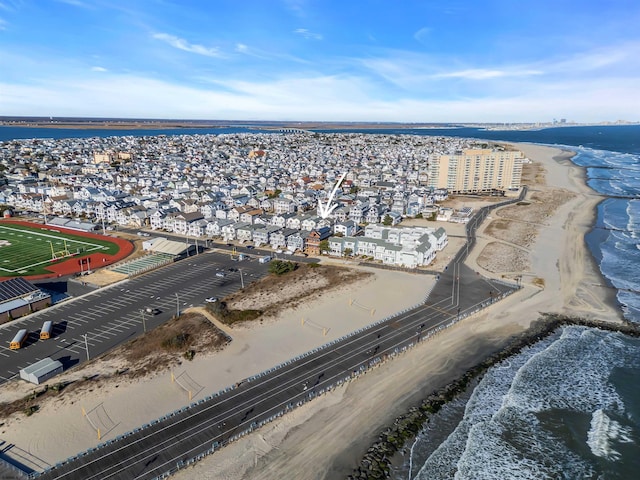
143, 124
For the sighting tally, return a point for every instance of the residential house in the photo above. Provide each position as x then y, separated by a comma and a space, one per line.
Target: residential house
283, 205
244, 231
297, 241
250, 215
278, 239
348, 228
262, 236
357, 212
281, 219
183, 221
315, 237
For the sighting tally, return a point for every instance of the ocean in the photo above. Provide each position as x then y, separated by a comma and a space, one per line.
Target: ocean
569, 406
566, 408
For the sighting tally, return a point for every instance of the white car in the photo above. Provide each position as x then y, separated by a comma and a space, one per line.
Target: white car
211, 300
219, 274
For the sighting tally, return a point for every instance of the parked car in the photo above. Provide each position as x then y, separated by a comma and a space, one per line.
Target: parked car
211, 300
219, 274
152, 311
250, 247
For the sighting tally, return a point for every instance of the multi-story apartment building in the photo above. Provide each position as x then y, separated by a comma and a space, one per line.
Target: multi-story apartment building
479, 170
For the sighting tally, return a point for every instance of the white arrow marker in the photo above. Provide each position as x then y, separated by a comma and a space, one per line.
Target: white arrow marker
325, 210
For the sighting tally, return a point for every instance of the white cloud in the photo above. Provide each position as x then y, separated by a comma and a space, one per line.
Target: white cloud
605, 57
77, 3
241, 48
98, 69
307, 34
422, 34
182, 44
331, 98
298, 7
486, 74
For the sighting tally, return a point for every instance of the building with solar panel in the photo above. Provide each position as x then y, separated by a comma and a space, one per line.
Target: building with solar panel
19, 297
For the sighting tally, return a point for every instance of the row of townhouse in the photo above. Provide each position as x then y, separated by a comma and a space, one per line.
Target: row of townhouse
404, 247
307, 241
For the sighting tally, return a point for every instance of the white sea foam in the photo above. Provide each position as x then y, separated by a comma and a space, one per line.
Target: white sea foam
515, 447
620, 262
501, 435
633, 212
604, 433
485, 401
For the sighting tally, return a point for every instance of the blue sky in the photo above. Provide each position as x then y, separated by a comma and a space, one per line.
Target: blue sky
358, 60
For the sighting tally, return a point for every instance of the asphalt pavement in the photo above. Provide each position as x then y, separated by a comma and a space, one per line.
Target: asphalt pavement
94, 323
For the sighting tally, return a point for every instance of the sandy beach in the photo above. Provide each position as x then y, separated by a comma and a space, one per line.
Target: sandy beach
541, 241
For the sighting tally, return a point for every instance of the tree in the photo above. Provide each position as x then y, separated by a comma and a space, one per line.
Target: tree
324, 246
347, 252
280, 267
387, 220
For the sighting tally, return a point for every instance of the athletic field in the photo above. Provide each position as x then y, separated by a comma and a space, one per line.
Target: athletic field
29, 250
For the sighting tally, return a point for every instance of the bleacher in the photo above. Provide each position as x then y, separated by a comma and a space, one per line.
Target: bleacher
143, 264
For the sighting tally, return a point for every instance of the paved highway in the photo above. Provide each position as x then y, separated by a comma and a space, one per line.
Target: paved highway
113, 315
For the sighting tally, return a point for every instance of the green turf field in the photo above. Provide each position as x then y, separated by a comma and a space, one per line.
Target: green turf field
28, 250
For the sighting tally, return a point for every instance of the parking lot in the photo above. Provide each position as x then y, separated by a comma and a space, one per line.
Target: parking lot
92, 324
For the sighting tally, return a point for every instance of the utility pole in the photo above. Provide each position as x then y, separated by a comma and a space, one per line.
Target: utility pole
177, 306
241, 278
86, 345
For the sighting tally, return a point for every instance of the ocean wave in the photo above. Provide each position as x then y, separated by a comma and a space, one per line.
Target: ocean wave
603, 433
619, 263
501, 434
514, 446
633, 214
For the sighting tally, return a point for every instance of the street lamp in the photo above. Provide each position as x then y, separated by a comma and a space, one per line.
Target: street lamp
177, 306
241, 278
144, 324
86, 345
